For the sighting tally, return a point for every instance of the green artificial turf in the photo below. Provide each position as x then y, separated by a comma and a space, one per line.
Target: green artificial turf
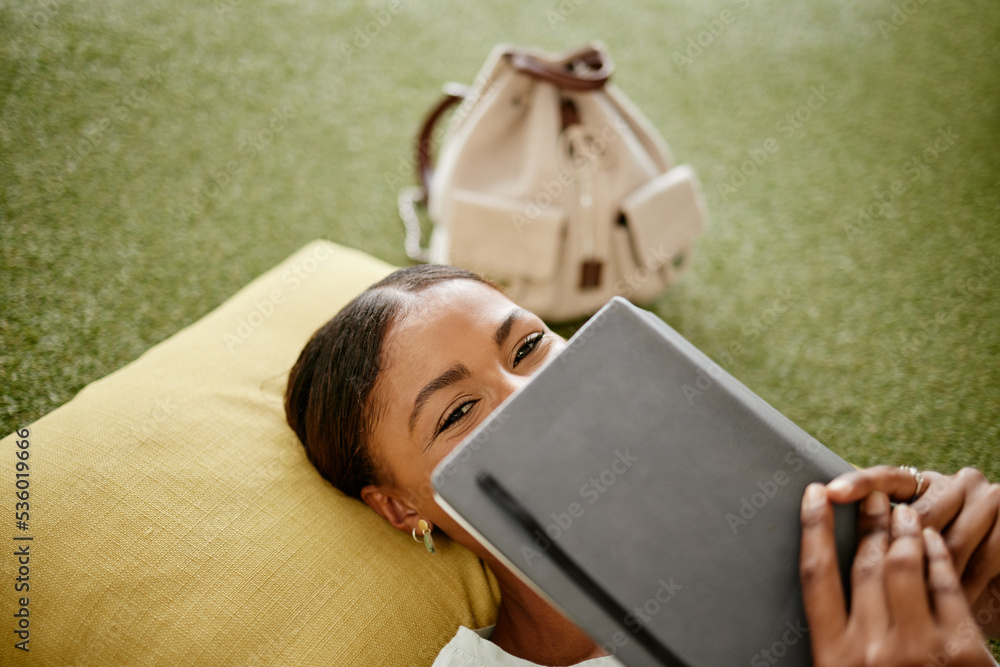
156, 156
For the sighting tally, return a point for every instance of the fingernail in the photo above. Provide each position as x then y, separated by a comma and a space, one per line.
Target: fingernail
906, 517
933, 542
814, 496
839, 486
876, 504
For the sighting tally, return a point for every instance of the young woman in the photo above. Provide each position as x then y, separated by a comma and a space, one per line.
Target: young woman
403, 373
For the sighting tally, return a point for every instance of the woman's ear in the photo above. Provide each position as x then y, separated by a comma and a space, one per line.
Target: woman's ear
397, 512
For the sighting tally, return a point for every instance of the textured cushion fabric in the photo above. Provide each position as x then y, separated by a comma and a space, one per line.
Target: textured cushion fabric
176, 520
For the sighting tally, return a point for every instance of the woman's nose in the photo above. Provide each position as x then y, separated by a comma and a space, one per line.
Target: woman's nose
508, 383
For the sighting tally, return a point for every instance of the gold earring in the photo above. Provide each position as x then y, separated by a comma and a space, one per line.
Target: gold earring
425, 535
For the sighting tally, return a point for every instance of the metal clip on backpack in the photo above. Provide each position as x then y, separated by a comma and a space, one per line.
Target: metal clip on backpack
550, 182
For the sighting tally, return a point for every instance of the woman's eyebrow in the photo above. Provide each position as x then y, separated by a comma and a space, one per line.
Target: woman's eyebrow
508, 323
456, 373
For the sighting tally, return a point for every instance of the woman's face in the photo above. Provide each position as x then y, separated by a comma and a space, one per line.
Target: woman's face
458, 351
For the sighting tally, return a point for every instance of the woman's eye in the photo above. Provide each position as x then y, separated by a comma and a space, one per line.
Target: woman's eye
527, 347
456, 415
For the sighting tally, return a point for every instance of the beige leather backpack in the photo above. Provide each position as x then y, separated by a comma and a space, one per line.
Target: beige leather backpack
551, 183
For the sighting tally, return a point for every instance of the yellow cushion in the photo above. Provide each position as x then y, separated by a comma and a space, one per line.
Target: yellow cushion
176, 520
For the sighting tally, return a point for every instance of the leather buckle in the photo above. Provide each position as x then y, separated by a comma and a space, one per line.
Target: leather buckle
590, 274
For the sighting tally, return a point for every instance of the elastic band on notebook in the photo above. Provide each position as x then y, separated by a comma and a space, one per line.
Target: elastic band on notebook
512, 507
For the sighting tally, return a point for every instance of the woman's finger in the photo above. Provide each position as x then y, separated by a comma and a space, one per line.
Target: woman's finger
904, 572
984, 565
897, 483
964, 639
868, 600
987, 610
950, 605
822, 591
943, 500
965, 535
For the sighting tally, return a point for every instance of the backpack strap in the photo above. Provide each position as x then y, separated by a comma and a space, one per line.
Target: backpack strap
588, 68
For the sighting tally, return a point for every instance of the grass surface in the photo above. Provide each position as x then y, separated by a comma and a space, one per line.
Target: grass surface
156, 156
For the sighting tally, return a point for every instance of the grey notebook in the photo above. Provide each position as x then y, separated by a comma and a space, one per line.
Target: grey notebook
650, 496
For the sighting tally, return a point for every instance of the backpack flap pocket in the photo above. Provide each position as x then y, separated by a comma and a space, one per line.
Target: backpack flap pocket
663, 218
495, 236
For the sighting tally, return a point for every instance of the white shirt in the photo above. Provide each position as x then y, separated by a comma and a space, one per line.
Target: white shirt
473, 648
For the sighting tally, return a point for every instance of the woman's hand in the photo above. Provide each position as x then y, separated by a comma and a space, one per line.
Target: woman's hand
897, 616
964, 508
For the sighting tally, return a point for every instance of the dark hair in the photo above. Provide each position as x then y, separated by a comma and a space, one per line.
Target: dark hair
329, 402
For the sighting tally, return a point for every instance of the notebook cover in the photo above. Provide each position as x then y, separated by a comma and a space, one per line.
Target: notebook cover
669, 484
